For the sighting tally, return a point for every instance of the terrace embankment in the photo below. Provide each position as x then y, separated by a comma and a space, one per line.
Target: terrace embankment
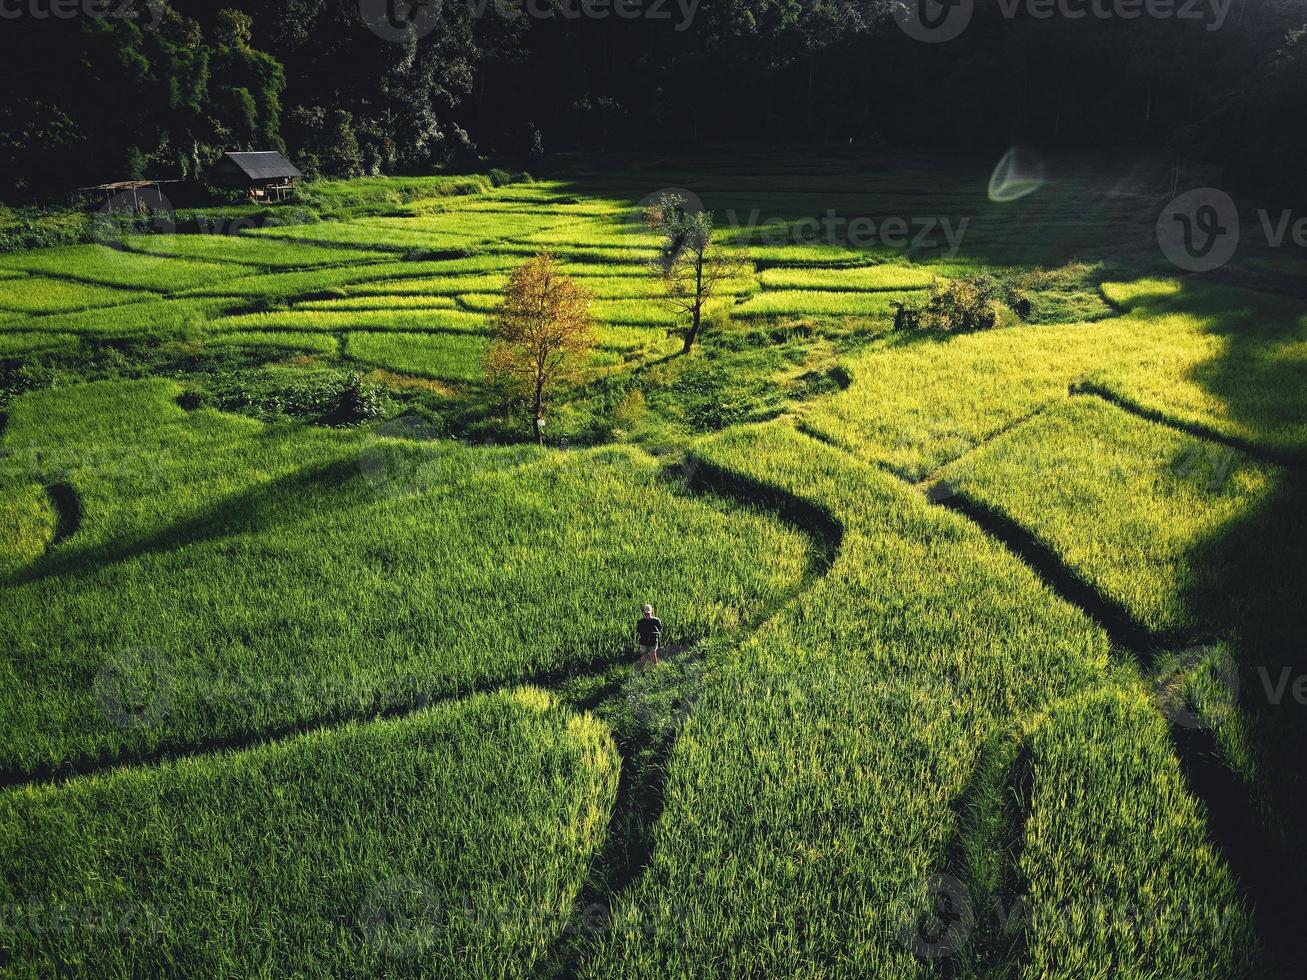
820, 531
645, 747
67, 505
1267, 454
1250, 851
1121, 628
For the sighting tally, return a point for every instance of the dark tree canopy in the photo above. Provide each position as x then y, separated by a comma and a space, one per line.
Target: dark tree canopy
164, 93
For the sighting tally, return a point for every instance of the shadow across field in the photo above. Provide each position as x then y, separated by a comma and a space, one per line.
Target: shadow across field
1260, 560
644, 709
286, 499
1245, 768
1115, 620
67, 509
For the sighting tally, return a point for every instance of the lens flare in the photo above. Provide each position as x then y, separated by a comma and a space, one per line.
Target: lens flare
1017, 175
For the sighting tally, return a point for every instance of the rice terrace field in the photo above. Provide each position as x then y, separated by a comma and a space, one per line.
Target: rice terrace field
983, 648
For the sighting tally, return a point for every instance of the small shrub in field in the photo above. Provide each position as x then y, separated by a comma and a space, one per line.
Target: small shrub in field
359, 401
500, 178
961, 306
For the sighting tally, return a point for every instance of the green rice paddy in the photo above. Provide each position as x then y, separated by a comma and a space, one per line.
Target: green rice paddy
289, 693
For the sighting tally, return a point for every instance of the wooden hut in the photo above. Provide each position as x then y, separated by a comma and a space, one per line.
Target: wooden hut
140, 196
265, 176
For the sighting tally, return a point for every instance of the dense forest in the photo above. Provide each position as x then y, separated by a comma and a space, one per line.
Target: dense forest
112, 89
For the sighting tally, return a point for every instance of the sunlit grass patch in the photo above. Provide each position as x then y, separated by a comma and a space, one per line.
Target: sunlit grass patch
605, 269
872, 277
427, 587
591, 254
1128, 505
1128, 295
380, 302
802, 255
356, 234
776, 848
153, 318
287, 285
1121, 877
919, 404
445, 285
816, 302
444, 357
388, 848
592, 234
338, 320
248, 250
561, 207
617, 337
632, 312
16, 344
27, 521
475, 225
1236, 383
102, 265
38, 294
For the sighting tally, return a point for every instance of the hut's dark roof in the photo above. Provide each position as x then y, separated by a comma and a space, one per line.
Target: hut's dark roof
265, 165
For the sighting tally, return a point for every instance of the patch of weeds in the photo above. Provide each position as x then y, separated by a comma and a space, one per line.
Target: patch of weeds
324, 396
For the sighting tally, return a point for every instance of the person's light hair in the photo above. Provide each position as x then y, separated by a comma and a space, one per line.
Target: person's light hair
648, 608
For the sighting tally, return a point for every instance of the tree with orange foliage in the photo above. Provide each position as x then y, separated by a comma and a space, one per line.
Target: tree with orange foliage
542, 336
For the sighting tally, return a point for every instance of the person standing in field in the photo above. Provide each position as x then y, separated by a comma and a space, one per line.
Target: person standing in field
649, 629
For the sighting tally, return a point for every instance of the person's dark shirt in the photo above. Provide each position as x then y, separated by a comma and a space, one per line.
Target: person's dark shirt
649, 628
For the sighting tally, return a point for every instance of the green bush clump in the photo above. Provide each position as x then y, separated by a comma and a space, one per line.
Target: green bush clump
322, 396
41, 228
358, 401
962, 305
500, 178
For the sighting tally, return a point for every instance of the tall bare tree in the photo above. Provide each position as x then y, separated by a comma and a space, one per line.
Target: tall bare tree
693, 267
542, 336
